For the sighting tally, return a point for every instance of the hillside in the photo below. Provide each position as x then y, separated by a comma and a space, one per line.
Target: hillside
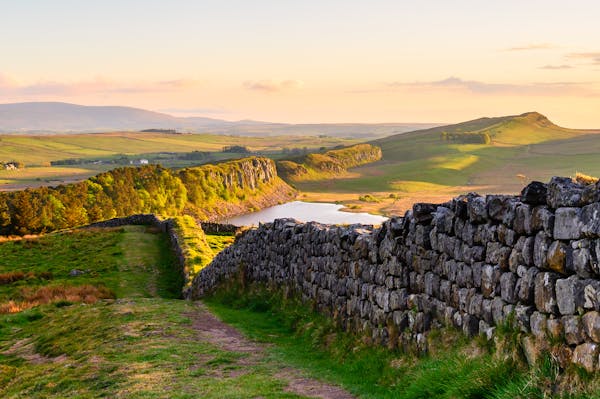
320, 166
208, 192
63, 117
434, 164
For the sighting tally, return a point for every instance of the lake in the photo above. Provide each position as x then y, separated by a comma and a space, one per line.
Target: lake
306, 212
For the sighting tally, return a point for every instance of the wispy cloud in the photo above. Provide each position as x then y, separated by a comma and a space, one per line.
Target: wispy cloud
478, 87
556, 67
593, 57
9, 86
272, 86
532, 47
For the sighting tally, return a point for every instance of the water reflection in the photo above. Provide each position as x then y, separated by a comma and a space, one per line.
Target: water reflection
306, 212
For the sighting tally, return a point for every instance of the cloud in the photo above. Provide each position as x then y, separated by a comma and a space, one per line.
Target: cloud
594, 58
556, 67
532, 47
100, 85
477, 87
272, 86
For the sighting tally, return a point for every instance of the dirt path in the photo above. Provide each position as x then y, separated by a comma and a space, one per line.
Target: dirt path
212, 330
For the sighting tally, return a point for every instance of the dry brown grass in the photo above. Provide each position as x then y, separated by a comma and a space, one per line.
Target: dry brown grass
52, 294
585, 179
11, 277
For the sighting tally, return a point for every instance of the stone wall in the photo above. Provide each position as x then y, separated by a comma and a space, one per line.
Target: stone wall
473, 263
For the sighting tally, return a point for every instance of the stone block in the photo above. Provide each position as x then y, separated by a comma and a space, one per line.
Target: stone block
544, 296
568, 224
563, 191
560, 257
591, 325
586, 356
477, 212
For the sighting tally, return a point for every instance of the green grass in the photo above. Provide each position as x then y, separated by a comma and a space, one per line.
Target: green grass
455, 366
143, 344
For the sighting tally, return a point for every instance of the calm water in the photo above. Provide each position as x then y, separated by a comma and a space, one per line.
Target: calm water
306, 212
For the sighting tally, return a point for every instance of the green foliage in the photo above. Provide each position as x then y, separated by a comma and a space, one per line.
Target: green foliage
368, 198
196, 250
200, 191
467, 138
317, 166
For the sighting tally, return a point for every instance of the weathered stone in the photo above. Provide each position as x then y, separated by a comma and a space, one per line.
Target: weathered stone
538, 323
508, 282
506, 236
500, 207
586, 356
523, 219
562, 191
527, 251
582, 263
542, 219
590, 218
443, 219
568, 224
545, 297
423, 213
591, 325
535, 193
573, 330
498, 310
525, 286
490, 278
566, 295
497, 254
476, 208
554, 328
531, 349
540, 250
398, 299
523, 317
560, 257
591, 193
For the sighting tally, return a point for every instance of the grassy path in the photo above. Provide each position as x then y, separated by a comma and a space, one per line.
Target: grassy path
143, 343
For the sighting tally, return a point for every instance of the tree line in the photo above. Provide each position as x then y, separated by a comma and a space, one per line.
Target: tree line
117, 193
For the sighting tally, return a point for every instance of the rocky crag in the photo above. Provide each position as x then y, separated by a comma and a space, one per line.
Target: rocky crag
528, 261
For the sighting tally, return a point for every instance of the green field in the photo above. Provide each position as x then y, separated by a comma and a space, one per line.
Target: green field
140, 341
99, 152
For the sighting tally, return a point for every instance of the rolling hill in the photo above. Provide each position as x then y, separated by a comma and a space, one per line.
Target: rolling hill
52, 117
436, 163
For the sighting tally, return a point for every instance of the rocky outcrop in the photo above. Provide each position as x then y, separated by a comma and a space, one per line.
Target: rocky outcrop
473, 263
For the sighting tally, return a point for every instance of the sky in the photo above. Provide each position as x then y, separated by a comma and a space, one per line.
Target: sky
308, 61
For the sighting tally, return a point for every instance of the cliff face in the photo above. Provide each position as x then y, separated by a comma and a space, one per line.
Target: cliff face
216, 192
473, 263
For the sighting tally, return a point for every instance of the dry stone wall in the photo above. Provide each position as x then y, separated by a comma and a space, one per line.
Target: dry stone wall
473, 263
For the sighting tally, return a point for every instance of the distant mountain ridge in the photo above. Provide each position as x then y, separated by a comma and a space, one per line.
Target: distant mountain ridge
58, 117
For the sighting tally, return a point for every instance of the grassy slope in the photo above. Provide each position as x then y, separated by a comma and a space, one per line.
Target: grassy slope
420, 163
141, 345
